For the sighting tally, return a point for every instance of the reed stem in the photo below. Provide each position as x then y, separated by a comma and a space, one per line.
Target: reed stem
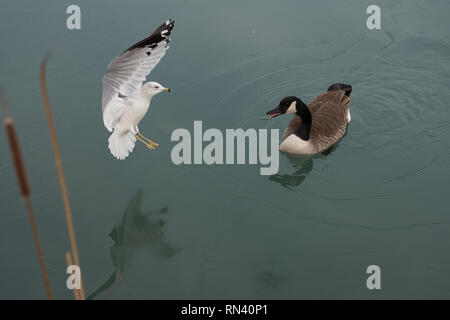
40, 253
62, 180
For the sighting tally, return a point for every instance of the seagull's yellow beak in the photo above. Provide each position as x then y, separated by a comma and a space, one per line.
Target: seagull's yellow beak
167, 90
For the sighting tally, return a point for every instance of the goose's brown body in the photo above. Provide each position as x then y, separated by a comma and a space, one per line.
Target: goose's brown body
329, 113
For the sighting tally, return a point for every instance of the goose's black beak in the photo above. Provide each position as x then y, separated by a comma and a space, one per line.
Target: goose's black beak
274, 113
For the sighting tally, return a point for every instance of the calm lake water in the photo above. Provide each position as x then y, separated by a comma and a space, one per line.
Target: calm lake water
149, 229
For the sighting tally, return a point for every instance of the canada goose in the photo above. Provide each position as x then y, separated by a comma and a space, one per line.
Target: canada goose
318, 126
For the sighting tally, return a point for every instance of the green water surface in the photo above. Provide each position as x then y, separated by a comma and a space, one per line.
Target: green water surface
148, 229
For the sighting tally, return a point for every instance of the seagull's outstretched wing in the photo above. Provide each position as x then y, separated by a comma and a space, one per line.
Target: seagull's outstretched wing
127, 72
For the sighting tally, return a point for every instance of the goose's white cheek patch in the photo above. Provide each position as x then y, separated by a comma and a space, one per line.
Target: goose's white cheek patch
292, 108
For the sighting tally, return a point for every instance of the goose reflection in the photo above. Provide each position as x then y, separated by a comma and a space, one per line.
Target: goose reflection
303, 165
135, 231
303, 168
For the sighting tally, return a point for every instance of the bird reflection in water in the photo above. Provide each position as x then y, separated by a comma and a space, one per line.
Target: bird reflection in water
303, 165
136, 230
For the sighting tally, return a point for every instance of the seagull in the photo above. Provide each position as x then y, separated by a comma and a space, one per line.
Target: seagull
126, 98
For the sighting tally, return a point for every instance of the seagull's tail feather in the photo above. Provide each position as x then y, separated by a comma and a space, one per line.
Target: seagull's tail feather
121, 145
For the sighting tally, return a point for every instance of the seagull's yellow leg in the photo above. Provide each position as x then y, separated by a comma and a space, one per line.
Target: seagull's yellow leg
150, 141
148, 145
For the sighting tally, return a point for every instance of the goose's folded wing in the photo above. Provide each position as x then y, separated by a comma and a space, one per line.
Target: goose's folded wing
127, 72
329, 113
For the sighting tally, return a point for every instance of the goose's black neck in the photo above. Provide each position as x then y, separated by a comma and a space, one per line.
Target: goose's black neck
305, 126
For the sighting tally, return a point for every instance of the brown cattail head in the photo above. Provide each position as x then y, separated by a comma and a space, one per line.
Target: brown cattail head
25, 190
15, 151
17, 157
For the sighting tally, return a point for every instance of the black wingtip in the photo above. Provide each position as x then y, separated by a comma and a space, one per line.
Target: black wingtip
161, 33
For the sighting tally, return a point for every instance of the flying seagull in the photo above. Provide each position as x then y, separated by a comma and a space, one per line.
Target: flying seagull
126, 98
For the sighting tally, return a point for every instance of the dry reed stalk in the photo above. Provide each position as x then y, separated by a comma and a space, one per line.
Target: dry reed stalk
25, 191
76, 292
62, 180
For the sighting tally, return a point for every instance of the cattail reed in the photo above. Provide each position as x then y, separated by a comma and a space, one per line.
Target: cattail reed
62, 180
25, 190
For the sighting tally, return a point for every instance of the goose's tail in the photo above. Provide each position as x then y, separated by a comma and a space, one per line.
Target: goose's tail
345, 98
121, 145
341, 86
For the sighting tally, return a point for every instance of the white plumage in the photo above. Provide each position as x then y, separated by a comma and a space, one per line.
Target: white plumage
126, 98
